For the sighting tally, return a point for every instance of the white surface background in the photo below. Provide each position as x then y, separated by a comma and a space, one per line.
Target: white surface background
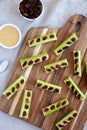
56, 13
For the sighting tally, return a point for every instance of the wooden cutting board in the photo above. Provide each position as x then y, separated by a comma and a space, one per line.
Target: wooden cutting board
41, 98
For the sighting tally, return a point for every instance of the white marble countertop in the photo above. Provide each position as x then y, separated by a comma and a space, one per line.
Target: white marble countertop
56, 13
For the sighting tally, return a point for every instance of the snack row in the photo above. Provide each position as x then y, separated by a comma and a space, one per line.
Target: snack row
46, 86
27, 100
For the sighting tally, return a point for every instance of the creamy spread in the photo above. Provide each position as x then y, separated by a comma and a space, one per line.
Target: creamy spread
9, 36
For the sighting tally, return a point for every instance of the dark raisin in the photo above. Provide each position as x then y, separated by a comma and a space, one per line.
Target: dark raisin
52, 107
17, 86
39, 84
64, 64
44, 38
76, 73
58, 105
68, 83
46, 109
76, 54
28, 94
49, 70
27, 100
37, 60
76, 67
73, 39
22, 81
24, 113
59, 51
24, 64
26, 106
51, 36
64, 102
44, 58
31, 42
75, 61
70, 118
65, 122
75, 114
65, 47
79, 96
30, 62
50, 88
76, 92
61, 125
13, 89
8, 94
69, 43
52, 67
72, 88
58, 66
38, 40
45, 87
56, 90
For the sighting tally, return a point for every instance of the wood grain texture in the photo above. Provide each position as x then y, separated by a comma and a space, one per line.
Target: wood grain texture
41, 98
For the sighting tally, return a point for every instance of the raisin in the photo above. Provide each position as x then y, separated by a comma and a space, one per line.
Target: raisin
37, 60
24, 64
46, 109
50, 88
13, 89
24, 113
31, 42
17, 86
45, 87
51, 36
30, 62
8, 94
28, 94
44, 38
22, 81
26, 106
75, 114
44, 58
38, 40
52, 107
73, 39
56, 90
76, 54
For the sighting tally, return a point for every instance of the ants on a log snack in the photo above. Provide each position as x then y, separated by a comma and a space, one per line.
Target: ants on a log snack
74, 88
66, 44
55, 107
26, 103
26, 62
42, 39
31, 9
48, 86
56, 65
77, 63
14, 87
66, 119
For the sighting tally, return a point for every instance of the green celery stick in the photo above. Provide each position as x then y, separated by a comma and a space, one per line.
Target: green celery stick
14, 87
42, 39
66, 119
86, 67
77, 63
26, 62
26, 104
56, 65
66, 44
48, 86
55, 107
74, 88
